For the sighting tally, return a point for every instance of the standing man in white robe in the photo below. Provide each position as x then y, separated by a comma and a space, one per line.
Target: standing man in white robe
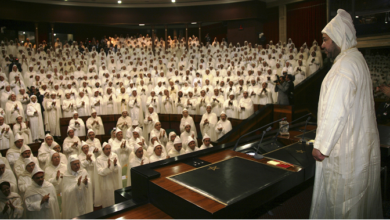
150, 118
77, 194
108, 177
230, 106
53, 108
78, 125
124, 122
34, 115
82, 104
13, 109
95, 123
136, 107
6, 134
41, 198
208, 122
347, 150
245, 107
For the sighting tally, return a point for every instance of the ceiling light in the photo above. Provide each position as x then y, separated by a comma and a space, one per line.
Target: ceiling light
173, 1
24, 32
141, 24
55, 34
357, 16
119, 2
193, 22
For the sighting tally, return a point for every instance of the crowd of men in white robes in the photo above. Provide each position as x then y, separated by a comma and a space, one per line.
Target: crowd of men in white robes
216, 80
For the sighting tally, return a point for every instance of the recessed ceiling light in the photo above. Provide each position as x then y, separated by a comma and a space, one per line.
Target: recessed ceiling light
24, 32
193, 22
119, 2
173, 1
357, 16
55, 34
141, 24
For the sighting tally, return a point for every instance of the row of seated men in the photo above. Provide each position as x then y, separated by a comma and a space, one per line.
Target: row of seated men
85, 174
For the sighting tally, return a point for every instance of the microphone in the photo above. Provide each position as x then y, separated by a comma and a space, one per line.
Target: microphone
304, 131
259, 156
235, 146
277, 133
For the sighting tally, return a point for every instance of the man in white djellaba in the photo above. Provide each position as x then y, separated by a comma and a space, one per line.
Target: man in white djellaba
36, 121
347, 179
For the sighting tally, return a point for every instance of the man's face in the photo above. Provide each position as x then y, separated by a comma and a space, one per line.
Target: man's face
5, 189
55, 159
206, 141
91, 135
26, 154
139, 152
330, 48
94, 115
119, 135
107, 150
2, 169
75, 165
208, 109
19, 143
124, 114
178, 146
223, 117
49, 140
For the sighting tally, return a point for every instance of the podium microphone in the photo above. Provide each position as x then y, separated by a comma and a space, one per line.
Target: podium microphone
259, 156
235, 146
277, 133
304, 131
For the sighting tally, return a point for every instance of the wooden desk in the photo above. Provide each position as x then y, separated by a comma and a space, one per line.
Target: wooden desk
147, 211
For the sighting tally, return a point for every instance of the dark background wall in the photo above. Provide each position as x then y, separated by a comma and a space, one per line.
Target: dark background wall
244, 30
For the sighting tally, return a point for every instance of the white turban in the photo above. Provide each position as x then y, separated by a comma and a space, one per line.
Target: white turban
189, 140
177, 141
205, 137
341, 30
36, 170
18, 137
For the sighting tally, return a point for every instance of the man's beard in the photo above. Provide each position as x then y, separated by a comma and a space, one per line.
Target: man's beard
333, 52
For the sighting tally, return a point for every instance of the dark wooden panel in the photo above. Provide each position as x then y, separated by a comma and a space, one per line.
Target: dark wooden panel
103, 15
147, 211
281, 111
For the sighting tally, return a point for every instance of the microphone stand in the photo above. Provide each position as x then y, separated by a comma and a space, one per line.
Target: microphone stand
235, 146
259, 156
304, 131
277, 133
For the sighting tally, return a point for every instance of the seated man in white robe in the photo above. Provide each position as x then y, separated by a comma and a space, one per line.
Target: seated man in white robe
108, 177
44, 150
41, 198
154, 101
77, 192
95, 123
245, 107
206, 143
124, 122
223, 126
208, 122
25, 152
36, 121
177, 149
191, 145
6, 174
13, 153
11, 203
78, 125
13, 108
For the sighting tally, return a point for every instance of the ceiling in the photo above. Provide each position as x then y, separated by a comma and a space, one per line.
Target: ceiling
136, 3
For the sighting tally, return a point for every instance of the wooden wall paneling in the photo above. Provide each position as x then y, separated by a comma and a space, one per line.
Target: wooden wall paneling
281, 111
14, 10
